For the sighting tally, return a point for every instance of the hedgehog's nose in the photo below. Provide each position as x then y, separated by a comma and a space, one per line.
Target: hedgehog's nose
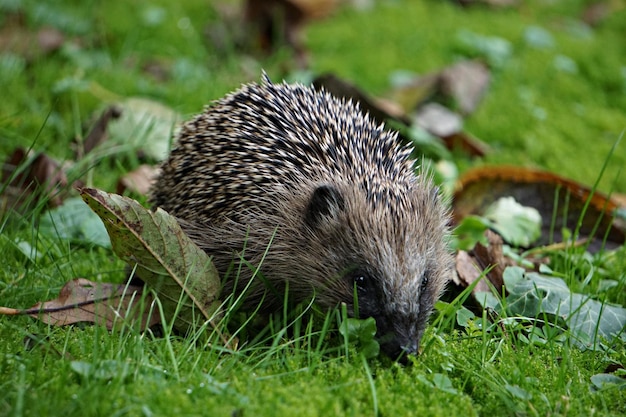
400, 351
410, 348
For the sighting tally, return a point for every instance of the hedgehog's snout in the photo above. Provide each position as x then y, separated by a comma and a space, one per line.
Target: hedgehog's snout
397, 341
398, 349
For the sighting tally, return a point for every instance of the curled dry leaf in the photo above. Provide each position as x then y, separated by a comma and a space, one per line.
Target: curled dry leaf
28, 178
81, 300
180, 273
469, 265
480, 187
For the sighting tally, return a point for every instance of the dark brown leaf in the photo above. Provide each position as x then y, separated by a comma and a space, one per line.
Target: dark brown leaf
470, 265
28, 178
18, 38
98, 133
274, 23
380, 110
467, 143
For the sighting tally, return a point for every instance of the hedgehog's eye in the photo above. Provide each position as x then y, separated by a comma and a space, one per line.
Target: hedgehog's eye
360, 282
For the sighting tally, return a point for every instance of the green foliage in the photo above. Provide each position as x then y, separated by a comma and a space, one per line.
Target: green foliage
518, 225
361, 332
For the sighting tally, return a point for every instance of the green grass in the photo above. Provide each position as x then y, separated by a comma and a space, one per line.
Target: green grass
533, 115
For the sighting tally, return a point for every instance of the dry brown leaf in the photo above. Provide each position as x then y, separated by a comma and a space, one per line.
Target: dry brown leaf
597, 12
98, 133
138, 181
479, 188
81, 300
380, 110
29, 178
469, 265
467, 143
49, 39
463, 83
466, 83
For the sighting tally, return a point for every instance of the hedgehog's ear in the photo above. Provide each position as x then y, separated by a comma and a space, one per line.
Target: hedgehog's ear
326, 201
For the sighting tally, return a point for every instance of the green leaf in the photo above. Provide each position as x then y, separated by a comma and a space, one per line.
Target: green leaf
361, 332
442, 382
179, 271
470, 231
518, 392
518, 225
105, 370
76, 222
604, 381
533, 295
463, 316
146, 125
497, 51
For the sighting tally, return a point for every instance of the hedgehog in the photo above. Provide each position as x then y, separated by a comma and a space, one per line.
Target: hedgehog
313, 199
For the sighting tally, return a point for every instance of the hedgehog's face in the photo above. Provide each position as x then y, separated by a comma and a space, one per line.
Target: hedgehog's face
395, 267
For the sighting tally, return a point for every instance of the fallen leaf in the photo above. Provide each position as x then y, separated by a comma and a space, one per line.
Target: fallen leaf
28, 177
411, 94
466, 83
535, 295
75, 222
17, 37
81, 300
439, 120
467, 143
597, 12
145, 125
607, 381
50, 39
478, 188
379, 109
471, 264
181, 274
98, 133
518, 225
274, 23
492, 3
138, 181
496, 51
